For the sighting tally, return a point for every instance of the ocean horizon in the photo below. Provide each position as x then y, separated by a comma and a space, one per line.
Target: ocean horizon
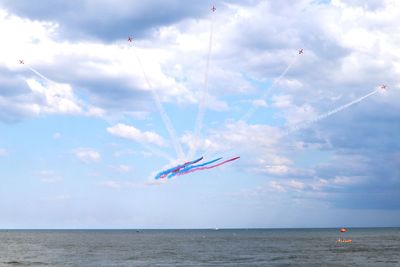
200, 228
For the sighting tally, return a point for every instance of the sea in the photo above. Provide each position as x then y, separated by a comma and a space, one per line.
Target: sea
205, 247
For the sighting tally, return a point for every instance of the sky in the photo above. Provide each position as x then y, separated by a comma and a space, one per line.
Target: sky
89, 119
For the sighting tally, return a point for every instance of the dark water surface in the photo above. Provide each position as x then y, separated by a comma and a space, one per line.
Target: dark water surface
254, 247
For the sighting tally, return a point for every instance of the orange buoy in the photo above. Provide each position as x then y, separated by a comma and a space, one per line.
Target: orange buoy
343, 230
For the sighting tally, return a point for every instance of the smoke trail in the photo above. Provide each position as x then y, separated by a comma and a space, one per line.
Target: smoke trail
206, 167
292, 128
156, 151
40, 75
167, 122
202, 103
251, 110
175, 169
329, 113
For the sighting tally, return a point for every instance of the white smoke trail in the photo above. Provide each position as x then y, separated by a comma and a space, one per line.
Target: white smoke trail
156, 151
40, 75
167, 122
251, 110
290, 129
202, 103
329, 113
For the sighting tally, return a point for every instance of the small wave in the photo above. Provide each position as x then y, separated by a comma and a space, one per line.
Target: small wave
20, 263
14, 263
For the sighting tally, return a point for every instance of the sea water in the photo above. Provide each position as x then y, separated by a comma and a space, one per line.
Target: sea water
224, 247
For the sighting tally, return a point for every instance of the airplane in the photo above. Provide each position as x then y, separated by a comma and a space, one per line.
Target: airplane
21, 62
383, 88
213, 9
176, 169
130, 39
301, 51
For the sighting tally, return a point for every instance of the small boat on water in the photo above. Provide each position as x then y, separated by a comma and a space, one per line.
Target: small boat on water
342, 240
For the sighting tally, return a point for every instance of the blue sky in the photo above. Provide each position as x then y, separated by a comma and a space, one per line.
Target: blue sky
79, 147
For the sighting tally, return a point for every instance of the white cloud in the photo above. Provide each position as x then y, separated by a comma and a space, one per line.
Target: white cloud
339, 22
110, 184
87, 155
56, 135
346, 180
60, 197
57, 98
124, 153
113, 184
122, 168
48, 176
275, 186
130, 132
95, 111
259, 145
299, 114
79, 62
295, 184
260, 103
3, 152
282, 101
276, 169
312, 186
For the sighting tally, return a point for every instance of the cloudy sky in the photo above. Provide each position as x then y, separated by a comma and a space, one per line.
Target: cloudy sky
89, 118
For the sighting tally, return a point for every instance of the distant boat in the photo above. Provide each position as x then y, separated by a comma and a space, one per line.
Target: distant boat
340, 240
216, 229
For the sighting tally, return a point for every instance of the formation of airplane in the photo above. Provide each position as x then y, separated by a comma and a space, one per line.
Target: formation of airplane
189, 167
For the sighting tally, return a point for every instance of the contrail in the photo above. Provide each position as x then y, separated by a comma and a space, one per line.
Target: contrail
251, 110
39, 74
167, 122
155, 151
202, 103
329, 113
290, 129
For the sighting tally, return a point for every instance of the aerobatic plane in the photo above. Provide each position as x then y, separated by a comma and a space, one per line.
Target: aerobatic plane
213, 9
301, 51
21, 62
130, 39
383, 87
176, 169
189, 167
